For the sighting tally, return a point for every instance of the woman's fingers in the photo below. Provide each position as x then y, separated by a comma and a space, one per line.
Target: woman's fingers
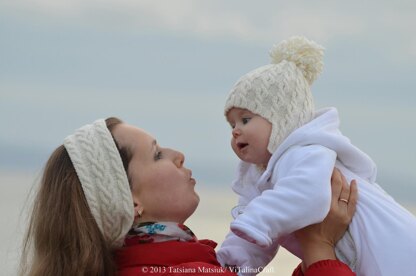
336, 185
353, 196
345, 192
344, 196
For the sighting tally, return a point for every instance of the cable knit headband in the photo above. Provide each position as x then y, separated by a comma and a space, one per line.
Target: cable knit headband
100, 170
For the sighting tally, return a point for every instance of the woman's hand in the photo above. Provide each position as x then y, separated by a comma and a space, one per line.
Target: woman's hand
318, 240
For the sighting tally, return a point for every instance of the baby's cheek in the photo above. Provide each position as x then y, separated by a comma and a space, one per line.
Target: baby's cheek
232, 143
234, 147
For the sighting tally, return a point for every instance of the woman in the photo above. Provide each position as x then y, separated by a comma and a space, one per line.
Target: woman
109, 176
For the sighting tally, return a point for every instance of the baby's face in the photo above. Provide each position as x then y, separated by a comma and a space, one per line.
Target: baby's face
250, 136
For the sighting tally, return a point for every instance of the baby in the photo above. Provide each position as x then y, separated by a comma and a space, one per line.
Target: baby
285, 146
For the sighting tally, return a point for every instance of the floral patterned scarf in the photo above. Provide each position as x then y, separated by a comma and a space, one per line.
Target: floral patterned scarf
149, 232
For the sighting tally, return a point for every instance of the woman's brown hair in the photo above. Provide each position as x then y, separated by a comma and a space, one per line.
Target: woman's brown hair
62, 237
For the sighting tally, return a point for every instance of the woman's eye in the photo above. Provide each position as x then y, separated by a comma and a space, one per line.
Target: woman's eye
245, 120
158, 155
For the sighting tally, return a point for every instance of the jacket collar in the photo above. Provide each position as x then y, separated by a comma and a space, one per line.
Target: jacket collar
168, 253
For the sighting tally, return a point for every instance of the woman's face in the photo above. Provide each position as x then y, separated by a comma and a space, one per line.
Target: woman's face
162, 188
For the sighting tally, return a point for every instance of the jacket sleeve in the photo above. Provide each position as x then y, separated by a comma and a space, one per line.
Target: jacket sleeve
325, 268
246, 256
301, 196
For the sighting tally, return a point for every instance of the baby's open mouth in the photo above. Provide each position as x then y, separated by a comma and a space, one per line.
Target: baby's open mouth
241, 146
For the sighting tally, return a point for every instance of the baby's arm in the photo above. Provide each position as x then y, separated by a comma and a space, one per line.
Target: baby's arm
246, 256
301, 196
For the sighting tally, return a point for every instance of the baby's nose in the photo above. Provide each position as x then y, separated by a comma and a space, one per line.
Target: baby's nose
236, 132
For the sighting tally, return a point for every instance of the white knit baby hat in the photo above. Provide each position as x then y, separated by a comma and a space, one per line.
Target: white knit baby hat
280, 92
104, 181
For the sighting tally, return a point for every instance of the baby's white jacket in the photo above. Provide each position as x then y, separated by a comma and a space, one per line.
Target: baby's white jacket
295, 191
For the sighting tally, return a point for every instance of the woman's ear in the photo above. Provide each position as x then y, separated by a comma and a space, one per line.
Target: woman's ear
138, 210
138, 206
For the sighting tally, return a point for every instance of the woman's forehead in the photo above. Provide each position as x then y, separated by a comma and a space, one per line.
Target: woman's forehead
132, 137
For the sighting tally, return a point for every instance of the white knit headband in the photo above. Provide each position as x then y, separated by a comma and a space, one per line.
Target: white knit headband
100, 170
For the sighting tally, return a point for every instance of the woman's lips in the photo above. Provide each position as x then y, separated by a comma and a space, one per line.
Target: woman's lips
191, 179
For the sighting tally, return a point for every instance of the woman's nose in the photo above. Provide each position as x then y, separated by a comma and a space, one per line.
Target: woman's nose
179, 159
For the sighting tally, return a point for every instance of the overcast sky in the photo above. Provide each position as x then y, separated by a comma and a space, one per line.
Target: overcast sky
167, 66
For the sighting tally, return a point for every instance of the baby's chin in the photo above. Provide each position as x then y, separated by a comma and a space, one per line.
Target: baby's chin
259, 163
241, 157
246, 157
249, 160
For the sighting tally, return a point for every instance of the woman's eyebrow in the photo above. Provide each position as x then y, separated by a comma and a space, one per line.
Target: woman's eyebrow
153, 147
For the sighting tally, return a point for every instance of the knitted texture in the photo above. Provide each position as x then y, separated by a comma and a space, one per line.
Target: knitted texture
104, 181
280, 92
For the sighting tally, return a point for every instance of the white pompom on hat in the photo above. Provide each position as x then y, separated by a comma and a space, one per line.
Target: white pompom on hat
104, 181
280, 92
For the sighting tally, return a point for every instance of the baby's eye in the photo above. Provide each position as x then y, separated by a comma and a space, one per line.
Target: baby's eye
158, 155
245, 120
232, 126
